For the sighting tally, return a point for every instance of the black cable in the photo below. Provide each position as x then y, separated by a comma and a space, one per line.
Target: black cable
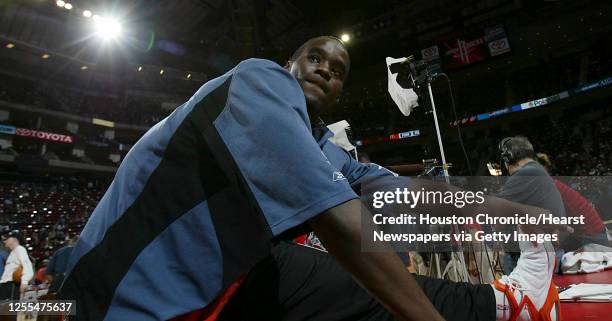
489, 259
477, 268
459, 135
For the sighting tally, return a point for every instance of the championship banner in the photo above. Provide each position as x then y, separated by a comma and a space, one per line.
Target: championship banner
468, 48
44, 135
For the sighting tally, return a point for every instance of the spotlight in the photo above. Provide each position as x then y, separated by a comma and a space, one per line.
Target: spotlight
188, 76
345, 37
45, 56
68, 6
60, 3
86, 13
84, 67
161, 71
10, 45
95, 17
139, 68
108, 28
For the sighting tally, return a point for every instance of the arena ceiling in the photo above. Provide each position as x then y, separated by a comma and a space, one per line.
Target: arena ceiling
210, 35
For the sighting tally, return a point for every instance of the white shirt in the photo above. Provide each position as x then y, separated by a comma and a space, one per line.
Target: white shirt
18, 256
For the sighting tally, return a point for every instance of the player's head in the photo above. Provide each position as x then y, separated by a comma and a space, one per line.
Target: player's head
515, 149
11, 242
320, 66
544, 160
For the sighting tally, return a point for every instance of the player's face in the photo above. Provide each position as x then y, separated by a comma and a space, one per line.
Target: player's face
320, 70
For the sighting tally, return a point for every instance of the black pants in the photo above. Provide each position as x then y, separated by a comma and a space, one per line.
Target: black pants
9, 291
300, 283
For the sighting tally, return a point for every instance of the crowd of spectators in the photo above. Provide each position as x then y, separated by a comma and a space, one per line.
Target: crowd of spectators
580, 148
85, 104
546, 78
44, 213
579, 142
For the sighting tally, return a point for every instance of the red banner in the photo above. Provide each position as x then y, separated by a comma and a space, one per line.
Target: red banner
43, 135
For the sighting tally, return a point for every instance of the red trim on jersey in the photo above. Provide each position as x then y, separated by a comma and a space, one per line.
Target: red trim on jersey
211, 312
300, 239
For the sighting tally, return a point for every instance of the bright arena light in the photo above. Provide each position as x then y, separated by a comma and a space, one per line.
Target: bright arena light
60, 3
108, 28
86, 13
96, 17
68, 6
345, 37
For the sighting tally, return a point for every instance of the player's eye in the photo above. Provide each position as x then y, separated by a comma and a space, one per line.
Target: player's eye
314, 58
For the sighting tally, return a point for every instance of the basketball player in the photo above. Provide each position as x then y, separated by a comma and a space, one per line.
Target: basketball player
191, 227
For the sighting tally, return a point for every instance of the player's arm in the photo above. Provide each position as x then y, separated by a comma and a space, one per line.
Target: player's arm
381, 273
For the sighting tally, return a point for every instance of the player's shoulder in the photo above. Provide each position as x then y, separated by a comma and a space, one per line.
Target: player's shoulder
256, 64
263, 73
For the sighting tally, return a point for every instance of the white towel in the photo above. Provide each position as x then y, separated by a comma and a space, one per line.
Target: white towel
405, 99
587, 293
594, 258
340, 136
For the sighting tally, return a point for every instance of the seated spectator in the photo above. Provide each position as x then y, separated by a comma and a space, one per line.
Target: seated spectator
593, 229
57, 266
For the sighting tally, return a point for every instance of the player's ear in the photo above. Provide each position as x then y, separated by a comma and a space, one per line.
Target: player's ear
288, 64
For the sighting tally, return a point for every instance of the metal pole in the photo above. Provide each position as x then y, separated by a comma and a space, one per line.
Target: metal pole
435, 114
465, 275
